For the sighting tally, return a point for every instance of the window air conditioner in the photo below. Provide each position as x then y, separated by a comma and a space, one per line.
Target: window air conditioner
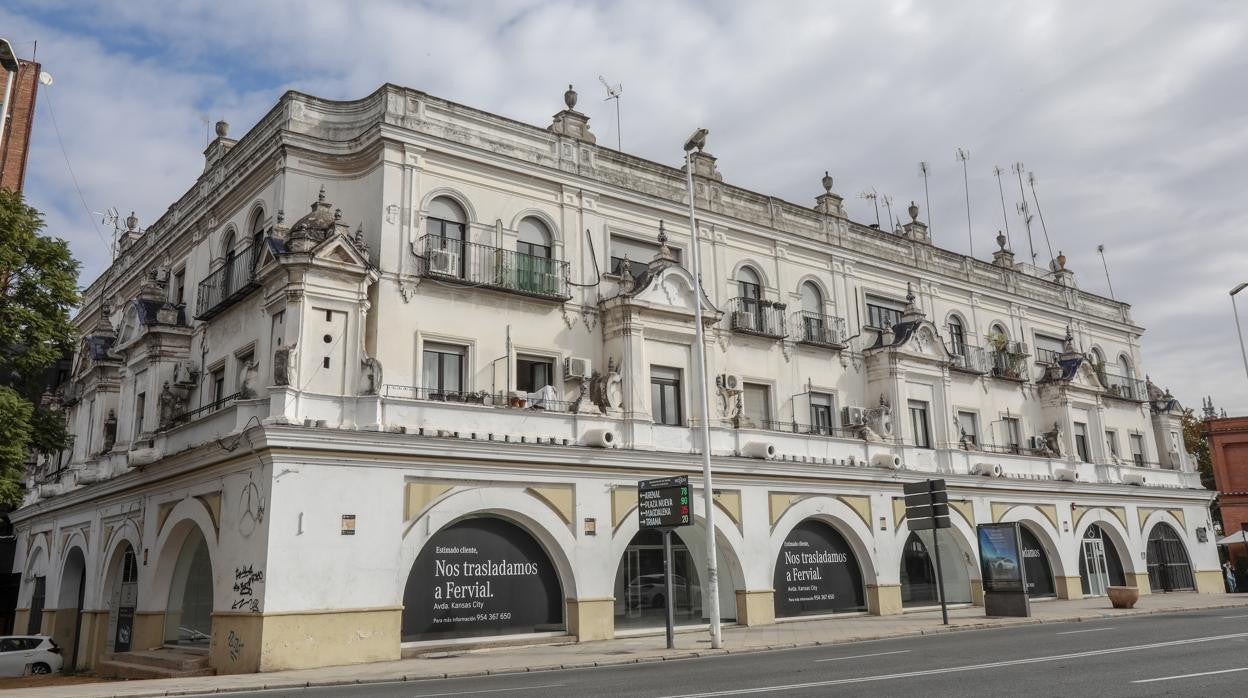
444, 262
576, 368
729, 382
852, 416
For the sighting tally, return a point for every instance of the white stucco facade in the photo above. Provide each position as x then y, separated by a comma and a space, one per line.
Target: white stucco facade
320, 399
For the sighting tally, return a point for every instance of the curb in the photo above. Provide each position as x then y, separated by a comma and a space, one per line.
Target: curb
677, 655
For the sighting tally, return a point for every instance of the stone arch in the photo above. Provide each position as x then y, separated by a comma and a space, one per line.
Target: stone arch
227, 242
37, 563
1117, 534
1046, 533
729, 549
840, 517
556, 233
71, 590
748, 263
820, 286
1163, 516
454, 195
961, 535
999, 326
188, 514
1125, 366
126, 534
534, 517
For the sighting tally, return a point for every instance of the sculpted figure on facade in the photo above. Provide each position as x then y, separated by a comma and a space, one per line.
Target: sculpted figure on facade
1053, 441
582, 392
281, 365
251, 379
606, 391
370, 376
110, 430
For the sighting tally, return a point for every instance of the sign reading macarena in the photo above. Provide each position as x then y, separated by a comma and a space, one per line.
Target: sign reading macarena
817, 572
481, 577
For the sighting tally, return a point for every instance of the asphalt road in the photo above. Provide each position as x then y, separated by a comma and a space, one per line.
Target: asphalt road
1192, 654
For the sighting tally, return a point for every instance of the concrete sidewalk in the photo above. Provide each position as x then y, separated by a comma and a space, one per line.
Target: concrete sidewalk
643, 649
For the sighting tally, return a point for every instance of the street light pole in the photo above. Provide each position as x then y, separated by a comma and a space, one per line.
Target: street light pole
698, 141
1239, 330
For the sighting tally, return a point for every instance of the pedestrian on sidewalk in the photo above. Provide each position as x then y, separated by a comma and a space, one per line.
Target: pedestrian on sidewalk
1229, 572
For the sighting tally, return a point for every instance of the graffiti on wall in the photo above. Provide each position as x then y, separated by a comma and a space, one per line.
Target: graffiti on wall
235, 643
245, 579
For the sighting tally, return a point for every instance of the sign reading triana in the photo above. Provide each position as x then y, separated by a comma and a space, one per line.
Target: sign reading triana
663, 503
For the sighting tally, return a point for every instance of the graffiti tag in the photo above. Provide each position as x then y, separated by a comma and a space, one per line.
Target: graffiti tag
235, 643
244, 580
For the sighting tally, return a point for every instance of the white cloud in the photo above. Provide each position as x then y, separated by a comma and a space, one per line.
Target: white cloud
1130, 113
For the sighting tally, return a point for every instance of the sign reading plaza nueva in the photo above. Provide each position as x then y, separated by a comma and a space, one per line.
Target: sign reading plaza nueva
663, 503
1000, 556
481, 577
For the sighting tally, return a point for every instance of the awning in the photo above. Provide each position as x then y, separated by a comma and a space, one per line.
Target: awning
1237, 538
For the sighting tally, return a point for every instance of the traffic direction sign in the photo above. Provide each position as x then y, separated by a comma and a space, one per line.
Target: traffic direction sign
927, 505
663, 503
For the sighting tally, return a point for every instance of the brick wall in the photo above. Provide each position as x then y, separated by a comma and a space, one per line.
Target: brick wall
21, 116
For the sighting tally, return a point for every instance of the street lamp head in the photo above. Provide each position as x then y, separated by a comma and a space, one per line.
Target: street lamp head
1239, 288
697, 140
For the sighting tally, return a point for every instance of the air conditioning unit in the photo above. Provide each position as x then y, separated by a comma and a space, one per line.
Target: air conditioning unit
853, 416
443, 262
575, 368
1037, 442
184, 374
744, 321
728, 382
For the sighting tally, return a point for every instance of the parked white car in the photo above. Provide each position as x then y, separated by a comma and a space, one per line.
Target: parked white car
29, 654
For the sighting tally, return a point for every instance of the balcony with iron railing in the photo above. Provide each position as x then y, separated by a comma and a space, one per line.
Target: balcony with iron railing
1009, 360
968, 358
472, 264
757, 317
203, 411
1123, 387
792, 427
229, 284
1047, 357
820, 330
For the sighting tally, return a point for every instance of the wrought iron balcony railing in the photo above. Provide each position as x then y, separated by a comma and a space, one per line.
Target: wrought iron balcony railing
197, 413
1047, 357
807, 429
1123, 387
820, 330
227, 285
1009, 360
472, 264
753, 316
969, 358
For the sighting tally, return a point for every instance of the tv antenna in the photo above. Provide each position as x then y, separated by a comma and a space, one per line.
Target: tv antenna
1024, 210
111, 217
1100, 249
996, 170
963, 156
1031, 179
888, 205
614, 92
871, 195
203, 118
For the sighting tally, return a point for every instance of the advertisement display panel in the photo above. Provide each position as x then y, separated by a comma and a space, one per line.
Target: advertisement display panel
481, 577
1000, 557
1036, 565
817, 572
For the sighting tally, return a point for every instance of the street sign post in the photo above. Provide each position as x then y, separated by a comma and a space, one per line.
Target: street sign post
663, 504
927, 509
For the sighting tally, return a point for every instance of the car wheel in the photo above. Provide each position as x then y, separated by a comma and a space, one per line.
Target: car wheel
658, 601
40, 668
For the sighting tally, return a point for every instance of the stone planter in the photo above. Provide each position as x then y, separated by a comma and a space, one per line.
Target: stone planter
1124, 597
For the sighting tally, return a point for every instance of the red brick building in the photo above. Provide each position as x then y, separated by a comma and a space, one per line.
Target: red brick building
20, 117
1228, 448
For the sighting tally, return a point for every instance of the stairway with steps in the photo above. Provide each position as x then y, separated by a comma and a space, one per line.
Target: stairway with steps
162, 663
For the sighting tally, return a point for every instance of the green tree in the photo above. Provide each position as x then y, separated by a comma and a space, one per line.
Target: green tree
38, 279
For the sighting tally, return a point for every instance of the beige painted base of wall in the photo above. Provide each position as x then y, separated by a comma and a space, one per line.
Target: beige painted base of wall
1069, 587
591, 619
977, 593
149, 630
756, 607
1139, 580
91, 642
249, 642
21, 619
884, 600
1209, 582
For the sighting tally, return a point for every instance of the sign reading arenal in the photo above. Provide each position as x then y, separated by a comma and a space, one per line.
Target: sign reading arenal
663, 503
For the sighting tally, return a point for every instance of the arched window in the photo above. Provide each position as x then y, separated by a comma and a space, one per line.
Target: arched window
534, 238
1124, 367
228, 252
1098, 358
257, 234
534, 268
812, 299
814, 325
748, 284
998, 329
446, 228
957, 336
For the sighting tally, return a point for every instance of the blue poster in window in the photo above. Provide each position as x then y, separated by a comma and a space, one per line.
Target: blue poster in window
1000, 558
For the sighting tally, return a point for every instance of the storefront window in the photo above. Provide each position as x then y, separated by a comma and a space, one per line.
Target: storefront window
640, 592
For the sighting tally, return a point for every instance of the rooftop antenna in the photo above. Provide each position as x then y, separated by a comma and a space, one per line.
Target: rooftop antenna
996, 170
1024, 210
1031, 179
888, 204
873, 197
1100, 249
111, 217
923, 167
963, 156
206, 122
614, 92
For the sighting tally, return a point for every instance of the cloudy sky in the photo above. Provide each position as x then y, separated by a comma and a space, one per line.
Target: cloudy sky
1132, 115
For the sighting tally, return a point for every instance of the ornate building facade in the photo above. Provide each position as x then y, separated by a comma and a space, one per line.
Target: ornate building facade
418, 412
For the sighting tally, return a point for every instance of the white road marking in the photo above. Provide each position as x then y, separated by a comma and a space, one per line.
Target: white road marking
861, 656
490, 690
1188, 676
951, 670
1239, 616
1089, 630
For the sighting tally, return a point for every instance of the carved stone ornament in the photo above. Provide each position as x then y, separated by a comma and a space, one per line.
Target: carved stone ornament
110, 430
281, 366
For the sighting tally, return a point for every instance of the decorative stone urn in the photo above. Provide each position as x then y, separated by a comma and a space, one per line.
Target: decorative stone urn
1124, 597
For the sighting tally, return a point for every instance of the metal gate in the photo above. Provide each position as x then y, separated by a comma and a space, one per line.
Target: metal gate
1168, 566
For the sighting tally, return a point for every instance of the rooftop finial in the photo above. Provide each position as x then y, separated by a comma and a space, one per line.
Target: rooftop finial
337, 214
909, 293
569, 98
914, 212
1001, 240
662, 234
827, 182
320, 198
132, 222
223, 128
281, 216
